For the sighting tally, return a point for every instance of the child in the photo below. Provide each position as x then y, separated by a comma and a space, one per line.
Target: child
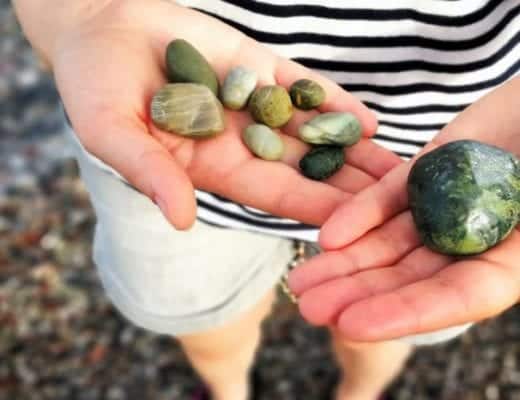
416, 64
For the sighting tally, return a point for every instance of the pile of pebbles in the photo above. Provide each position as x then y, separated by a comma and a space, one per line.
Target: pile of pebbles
192, 105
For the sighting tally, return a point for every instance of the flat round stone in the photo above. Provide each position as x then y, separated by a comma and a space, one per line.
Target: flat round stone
187, 109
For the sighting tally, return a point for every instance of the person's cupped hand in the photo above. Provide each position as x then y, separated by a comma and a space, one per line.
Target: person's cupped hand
107, 70
376, 281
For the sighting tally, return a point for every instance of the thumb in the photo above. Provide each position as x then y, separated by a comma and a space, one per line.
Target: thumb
125, 145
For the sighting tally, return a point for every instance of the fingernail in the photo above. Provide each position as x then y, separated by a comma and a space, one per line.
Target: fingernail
162, 205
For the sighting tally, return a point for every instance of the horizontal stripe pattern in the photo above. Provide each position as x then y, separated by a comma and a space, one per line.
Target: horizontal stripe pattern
435, 62
297, 9
415, 64
363, 34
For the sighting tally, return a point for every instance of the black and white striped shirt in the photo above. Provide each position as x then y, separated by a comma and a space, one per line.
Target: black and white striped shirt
415, 63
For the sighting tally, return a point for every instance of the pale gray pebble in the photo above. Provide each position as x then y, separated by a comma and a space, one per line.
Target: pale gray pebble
263, 142
336, 128
238, 86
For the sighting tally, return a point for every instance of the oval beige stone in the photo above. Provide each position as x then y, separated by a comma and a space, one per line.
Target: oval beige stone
263, 142
187, 109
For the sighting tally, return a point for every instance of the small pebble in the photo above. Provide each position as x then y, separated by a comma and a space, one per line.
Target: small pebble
271, 105
322, 162
263, 142
238, 87
187, 109
306, 94
335, 128
184, 63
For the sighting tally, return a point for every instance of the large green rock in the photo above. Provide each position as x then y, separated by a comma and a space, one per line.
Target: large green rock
184, 63
465, 197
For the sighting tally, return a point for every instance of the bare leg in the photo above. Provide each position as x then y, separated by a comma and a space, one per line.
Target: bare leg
223, 356
367, 368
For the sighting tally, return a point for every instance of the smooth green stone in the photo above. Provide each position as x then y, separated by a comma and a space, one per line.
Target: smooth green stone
322, 162
271, 105
184, 63
341, 129
306, 94
465, 197
263, 142
238, 87
188, 109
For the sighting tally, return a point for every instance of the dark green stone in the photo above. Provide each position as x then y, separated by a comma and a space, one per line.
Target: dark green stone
465, 197
322, 162
306, 94
184, 63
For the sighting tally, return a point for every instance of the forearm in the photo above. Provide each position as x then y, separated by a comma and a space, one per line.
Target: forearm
44, 21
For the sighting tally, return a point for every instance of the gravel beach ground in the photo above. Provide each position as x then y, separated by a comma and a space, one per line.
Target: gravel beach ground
61, 339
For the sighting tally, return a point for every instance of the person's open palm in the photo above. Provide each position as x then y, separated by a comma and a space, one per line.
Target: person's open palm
108, 69
378, 282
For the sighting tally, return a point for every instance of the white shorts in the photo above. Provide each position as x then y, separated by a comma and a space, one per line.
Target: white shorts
177, 283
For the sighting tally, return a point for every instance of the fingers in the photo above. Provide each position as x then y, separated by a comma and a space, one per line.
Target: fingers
379, 248
368, 209
322, 304
349, 179
275, 188
370, 157
337, 99
366, 155
464, 292
270, 186
125, 146
382, 201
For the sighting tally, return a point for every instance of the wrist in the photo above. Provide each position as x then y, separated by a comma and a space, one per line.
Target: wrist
45, 21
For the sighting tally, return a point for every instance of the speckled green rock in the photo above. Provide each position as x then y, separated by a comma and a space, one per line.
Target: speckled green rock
238, 86
306, 94
187, 109
184, 63
263, 142
322, 162
336, 128
465, 197
271, 105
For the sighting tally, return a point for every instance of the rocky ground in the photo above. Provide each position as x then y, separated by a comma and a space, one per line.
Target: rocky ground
61, 339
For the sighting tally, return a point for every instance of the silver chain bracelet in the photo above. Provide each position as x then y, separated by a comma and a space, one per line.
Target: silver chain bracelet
298, 258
